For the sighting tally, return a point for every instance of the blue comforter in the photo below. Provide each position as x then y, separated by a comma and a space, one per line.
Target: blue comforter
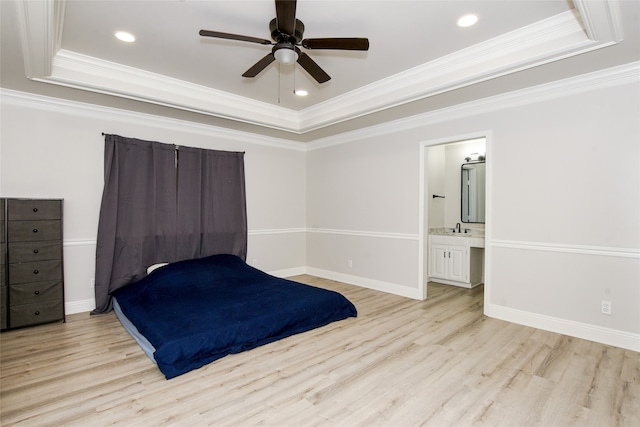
194, 312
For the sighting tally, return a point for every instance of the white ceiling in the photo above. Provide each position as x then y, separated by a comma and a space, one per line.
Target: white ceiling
416, 51
402, 35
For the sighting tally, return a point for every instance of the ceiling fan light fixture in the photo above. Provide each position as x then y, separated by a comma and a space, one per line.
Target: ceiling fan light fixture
467, 20
286, 55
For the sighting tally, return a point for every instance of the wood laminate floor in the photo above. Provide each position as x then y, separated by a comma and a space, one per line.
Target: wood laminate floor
401, 362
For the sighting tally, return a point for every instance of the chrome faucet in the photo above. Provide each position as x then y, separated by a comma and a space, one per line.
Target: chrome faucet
457, 228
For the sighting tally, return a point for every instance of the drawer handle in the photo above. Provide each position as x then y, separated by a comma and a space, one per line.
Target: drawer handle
35, 209
35, 251
35, 230
37, 313
36, 293
36, 271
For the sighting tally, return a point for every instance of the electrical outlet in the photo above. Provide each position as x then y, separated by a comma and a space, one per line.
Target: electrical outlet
92, 282
350, 263
254, 262
606, 307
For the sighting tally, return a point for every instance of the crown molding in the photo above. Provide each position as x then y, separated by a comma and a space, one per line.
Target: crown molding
623, 74
536, 44
59, 105
85, 72
601, 19
40, 26
596, 25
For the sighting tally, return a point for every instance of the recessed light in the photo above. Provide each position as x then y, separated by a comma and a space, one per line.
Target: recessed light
301, 92
467, 20
125, 37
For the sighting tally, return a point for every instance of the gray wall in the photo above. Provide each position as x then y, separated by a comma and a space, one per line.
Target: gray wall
54, 148
563, 198
563, 229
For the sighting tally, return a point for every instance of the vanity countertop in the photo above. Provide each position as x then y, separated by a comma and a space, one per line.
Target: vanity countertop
443, 231
455, 234
473, 238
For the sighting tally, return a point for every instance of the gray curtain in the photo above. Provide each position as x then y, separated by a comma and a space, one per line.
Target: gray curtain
163, 205
212, 216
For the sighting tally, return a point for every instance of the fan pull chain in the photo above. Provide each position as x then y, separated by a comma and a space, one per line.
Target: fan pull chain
279, 82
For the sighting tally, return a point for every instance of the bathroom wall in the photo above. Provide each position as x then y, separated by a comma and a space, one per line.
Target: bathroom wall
443, 178
436, 175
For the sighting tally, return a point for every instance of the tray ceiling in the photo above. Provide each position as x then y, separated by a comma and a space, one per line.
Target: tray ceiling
416, 52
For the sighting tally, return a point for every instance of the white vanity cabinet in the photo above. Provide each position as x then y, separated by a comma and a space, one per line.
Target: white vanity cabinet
456, 260
448, 261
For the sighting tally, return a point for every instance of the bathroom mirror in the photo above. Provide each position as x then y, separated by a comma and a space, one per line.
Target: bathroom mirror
473, 192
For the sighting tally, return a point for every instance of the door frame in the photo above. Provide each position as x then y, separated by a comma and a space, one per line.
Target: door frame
423, 241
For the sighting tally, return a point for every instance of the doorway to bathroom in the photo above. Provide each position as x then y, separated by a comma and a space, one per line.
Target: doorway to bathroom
454, 184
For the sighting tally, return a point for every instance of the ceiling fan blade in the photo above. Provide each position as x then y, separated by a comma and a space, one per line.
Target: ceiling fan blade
286, 16
219, 35
259, 66
337, 43
312, 68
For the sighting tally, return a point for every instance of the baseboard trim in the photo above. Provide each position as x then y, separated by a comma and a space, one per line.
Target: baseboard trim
627, 340
377, 285
288, 272
82, 306
84, 242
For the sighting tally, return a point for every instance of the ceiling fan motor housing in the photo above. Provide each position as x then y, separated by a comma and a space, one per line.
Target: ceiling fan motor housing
280, 37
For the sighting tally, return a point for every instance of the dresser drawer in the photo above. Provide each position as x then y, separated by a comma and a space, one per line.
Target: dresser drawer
2, 261
34, 251
31, 293
2, 220
29, 210
34, 230
33, 314
3, 307
31, 259
39, 271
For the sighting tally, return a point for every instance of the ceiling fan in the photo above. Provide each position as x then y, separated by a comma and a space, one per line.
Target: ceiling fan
286, 32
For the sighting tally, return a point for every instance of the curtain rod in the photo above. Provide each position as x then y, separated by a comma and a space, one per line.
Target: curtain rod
104, 134
177, 146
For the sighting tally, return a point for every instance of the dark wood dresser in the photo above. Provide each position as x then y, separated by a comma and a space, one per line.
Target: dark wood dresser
32, 271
